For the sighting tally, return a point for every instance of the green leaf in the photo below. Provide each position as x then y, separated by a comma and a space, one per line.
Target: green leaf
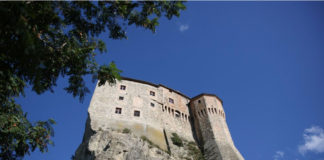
43, 41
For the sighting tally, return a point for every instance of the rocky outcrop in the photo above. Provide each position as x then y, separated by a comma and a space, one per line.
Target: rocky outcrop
110, 144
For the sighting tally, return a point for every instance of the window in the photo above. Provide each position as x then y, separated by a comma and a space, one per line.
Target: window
137, 113
118, 110
121, 98
199, 101
152, 104
171, 100
122, 87
152, 93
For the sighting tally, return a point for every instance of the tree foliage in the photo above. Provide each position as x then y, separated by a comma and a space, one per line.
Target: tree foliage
18, 136
41, 41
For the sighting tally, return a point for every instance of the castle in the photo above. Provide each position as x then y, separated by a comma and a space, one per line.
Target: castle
156, 111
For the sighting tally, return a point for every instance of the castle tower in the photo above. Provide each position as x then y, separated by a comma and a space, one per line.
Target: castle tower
211, 128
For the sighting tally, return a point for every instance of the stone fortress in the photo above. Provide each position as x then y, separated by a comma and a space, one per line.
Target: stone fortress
156, 111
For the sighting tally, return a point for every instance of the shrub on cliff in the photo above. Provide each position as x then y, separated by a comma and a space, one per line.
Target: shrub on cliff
194, 151
176, 140
126, 130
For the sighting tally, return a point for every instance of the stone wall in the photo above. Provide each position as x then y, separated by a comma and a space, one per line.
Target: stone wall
175, 116
212, 130
159, 107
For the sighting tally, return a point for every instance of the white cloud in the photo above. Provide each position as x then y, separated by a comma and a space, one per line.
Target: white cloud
279, 155
183, 27
314, 140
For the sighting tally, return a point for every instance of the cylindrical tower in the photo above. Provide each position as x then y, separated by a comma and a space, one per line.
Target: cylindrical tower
211, 128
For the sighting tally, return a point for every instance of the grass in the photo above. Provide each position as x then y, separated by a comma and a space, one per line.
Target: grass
126, 131
151, 144
147, 140
194, 152
176, 140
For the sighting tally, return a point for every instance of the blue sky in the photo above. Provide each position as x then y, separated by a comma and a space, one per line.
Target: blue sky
264, 59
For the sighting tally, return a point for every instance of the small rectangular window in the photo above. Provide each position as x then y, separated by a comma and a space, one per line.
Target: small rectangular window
137, 113
122, 87
121, 98
152, 104
118, 110
171, 100
152, 93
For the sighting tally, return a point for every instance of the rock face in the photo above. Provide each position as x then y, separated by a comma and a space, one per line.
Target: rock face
120, 145
155, 115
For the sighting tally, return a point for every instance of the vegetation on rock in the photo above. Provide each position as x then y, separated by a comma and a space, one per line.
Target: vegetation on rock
126, 130
193, 151
176, 140
151, 144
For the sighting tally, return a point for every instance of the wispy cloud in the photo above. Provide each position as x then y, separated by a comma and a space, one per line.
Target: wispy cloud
183, 27
279, 155
314, 140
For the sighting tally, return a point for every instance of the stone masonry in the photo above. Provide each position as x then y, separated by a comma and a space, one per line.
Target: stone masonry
156, 111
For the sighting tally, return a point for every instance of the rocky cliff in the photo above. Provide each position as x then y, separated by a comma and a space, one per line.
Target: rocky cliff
110, 144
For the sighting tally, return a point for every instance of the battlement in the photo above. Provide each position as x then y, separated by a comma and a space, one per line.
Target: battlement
157, 111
